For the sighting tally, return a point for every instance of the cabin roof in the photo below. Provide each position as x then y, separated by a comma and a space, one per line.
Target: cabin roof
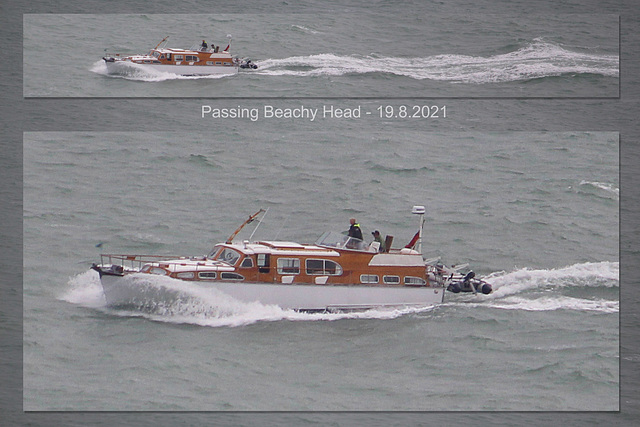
282, 248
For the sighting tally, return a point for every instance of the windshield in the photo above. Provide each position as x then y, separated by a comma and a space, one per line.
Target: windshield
227, 255
341, 241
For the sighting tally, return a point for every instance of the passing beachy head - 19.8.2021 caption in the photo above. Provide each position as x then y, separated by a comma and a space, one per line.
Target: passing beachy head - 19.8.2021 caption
328, 111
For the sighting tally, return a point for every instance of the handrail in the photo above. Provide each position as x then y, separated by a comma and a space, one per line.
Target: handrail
135, 261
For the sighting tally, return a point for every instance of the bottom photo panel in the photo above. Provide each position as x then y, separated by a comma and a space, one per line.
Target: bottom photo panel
334, 270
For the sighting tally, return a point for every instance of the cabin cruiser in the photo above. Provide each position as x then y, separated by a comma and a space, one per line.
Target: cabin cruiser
336, 273
202, 59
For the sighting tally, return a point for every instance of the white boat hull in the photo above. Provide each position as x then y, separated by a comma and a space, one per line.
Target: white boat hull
119, 67
140, 289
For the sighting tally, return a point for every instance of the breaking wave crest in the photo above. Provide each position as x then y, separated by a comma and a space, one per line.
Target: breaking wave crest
601, 188
536, 60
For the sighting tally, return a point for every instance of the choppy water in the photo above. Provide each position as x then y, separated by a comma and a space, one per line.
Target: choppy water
542, 228
534, 212
328, 54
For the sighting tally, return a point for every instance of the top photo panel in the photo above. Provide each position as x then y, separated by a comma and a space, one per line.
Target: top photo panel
328, 55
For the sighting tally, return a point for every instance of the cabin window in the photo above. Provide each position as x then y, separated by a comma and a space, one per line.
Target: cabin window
231, 276
391, 280
191, 58
207, 275
158, 270
414, 281
214, 252
209, 62
323, 267
288, 266
369, 278
228, 255
263, 262
178, 57
247, 263
185, 275
218, 63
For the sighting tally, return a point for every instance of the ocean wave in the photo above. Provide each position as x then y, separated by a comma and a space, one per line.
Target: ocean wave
303, 29
397, 169
607, 189
202, 160
535, 60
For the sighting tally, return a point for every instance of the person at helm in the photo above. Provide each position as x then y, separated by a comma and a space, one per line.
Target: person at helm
355, 230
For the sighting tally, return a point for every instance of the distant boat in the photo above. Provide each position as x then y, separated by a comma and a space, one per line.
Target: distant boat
203, 59
336, 273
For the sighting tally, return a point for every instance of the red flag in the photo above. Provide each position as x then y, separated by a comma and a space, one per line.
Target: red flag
227, 48
413, 241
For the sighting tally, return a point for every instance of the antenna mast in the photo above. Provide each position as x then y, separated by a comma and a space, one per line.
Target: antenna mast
419, 210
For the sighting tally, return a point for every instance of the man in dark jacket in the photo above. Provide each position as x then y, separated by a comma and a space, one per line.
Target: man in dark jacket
354, 230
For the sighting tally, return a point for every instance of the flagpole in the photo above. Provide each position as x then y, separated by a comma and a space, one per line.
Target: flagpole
419, 210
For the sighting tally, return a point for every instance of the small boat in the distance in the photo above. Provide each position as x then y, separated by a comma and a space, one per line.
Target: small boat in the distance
201, 59
336, 273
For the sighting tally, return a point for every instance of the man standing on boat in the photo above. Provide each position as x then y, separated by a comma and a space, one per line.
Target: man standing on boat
354, 230
378, 238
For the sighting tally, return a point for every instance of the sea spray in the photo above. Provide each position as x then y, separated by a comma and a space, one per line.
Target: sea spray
536, 60
171, 300
144, 73
588, 274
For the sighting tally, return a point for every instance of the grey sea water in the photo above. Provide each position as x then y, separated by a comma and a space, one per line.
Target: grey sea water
363, 54
539, 219
535, 213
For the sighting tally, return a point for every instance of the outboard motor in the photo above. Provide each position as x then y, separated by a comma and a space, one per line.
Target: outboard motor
454, 287
248, 64
469, 284
467, 279
485, 288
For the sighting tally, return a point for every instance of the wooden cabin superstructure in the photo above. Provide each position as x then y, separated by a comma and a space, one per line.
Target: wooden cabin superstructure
198, 60
335, 272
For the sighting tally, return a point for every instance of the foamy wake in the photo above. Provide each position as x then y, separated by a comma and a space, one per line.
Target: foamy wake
546, 290
552, 303
176, 301
145, 73
536, 60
